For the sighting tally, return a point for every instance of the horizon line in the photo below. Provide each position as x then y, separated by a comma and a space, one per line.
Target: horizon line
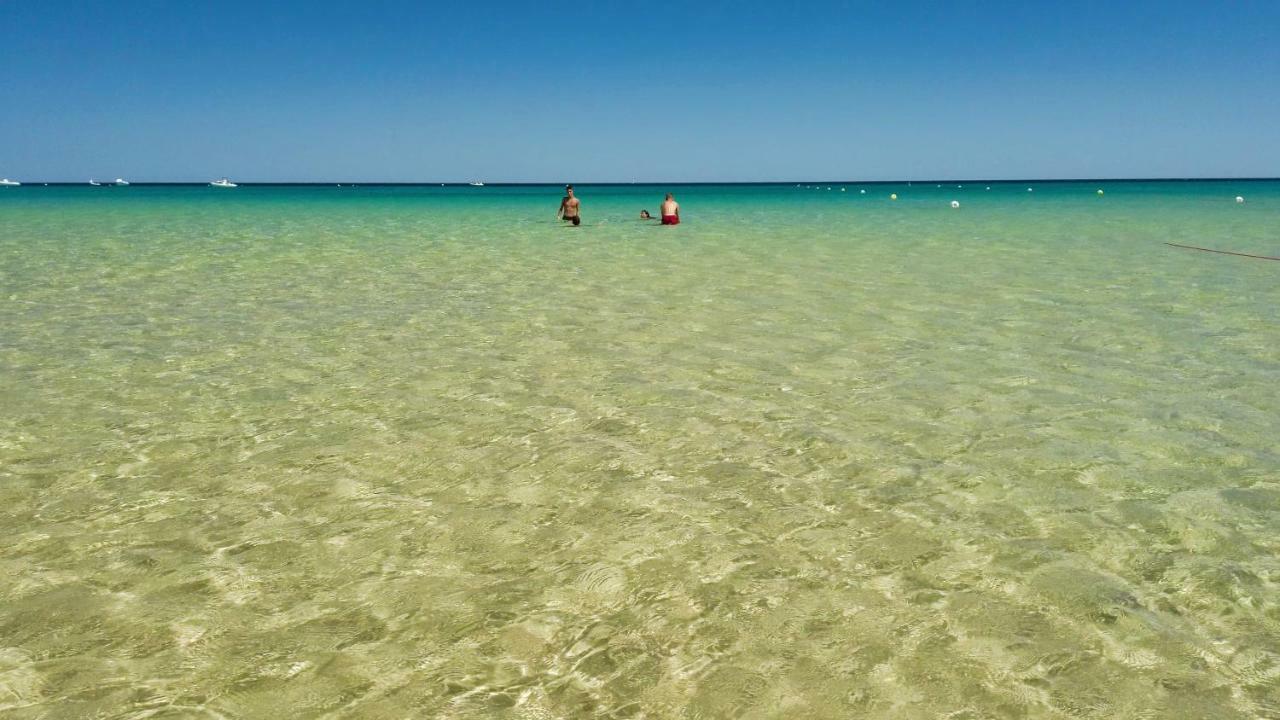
543, 183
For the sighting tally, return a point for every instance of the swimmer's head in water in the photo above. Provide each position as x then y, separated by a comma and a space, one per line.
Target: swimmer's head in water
644, 215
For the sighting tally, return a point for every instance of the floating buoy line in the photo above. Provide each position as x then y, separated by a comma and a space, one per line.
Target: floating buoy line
1222, 252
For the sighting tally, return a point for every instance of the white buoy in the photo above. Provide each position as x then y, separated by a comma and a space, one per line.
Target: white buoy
1239, 200
842, 190
988, 187
893, 196
864, 192
1030, 190
1100, 191
955, 204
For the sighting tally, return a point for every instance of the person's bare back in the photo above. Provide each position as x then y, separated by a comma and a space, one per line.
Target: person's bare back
670, 211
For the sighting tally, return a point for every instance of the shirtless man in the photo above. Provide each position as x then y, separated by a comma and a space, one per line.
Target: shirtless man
569, 206
670, 211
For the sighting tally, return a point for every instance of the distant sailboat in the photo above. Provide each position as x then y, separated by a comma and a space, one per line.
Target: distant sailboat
121, 181
6, 182
223, 183
95, 183
476, 183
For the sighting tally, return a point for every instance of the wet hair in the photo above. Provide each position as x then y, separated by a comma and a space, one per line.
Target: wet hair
670, 196
568, 187
645, 214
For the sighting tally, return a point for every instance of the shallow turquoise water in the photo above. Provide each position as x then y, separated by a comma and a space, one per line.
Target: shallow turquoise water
424, 452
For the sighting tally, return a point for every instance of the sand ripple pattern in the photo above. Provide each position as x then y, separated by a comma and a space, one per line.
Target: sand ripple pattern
394, 454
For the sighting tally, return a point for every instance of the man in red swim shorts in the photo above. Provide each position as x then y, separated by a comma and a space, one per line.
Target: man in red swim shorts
670, 211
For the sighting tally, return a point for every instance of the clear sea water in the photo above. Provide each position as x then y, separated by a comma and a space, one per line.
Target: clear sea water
402, 452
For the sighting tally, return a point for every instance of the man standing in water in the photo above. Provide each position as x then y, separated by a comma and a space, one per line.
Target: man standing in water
670, 211
569, 207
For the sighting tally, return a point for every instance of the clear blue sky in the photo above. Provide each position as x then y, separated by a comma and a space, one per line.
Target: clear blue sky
595, 91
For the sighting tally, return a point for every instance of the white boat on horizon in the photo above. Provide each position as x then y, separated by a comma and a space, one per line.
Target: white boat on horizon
121, 181
223, 183
476, 183
6, 182
95, 183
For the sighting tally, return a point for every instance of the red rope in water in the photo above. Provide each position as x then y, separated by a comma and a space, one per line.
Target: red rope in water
1223, 252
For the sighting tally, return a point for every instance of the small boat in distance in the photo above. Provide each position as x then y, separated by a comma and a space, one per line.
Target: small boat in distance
121, 181
6, 182
476, 183
95, 183
223, 183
